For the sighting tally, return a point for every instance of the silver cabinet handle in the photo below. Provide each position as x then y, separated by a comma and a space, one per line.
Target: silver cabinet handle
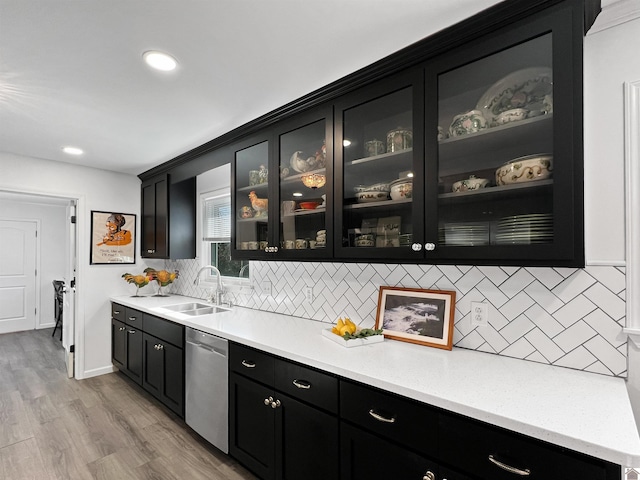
429, 246
380, 418
275, 404
132, 318
416, 247
517, 471
430, 476
116, 312
132, 332
301, 384
122, 328
248, 364
268, 401
160, 346
150, 251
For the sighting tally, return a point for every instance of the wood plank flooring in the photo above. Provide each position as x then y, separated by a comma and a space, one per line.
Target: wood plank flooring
53, 427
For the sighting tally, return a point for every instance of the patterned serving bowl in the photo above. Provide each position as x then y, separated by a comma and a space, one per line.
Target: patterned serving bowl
529, 168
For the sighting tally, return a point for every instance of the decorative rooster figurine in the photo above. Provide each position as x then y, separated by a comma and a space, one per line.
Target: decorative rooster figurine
259, 204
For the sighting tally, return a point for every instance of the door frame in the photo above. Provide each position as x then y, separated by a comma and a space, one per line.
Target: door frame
81, 231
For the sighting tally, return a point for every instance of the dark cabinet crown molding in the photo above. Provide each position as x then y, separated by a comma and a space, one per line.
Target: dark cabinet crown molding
461, 33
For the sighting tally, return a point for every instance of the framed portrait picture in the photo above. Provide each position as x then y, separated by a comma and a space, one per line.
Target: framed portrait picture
417, 316
113, 238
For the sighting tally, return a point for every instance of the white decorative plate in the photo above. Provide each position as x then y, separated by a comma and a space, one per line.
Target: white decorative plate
530, 88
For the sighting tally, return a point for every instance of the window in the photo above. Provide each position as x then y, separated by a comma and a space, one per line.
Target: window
216, 233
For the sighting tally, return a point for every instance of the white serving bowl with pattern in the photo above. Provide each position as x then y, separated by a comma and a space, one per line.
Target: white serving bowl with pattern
529, 168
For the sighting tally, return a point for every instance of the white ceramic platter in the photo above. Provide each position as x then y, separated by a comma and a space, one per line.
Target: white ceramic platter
526, 88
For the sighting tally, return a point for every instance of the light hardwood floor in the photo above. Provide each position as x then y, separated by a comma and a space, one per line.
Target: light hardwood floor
53, 427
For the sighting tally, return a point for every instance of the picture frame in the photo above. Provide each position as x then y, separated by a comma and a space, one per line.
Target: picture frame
113, 238
417, 315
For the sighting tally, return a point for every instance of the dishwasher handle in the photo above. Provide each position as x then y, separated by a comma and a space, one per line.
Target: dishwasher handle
208, 348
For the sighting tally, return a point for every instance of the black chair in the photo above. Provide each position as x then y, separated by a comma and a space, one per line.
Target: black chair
58, 302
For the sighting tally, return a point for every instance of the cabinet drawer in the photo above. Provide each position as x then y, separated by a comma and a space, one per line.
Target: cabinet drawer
405, 421
311, 386
476, 448
133, 318
118, 311
164, 330
251, 363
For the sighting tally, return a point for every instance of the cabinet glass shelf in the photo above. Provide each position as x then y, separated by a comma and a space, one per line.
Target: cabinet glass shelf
384, 203
497, 190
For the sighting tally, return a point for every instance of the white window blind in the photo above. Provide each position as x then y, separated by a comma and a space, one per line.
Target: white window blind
217, 219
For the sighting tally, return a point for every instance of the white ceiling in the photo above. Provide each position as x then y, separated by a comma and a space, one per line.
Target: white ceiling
71, 71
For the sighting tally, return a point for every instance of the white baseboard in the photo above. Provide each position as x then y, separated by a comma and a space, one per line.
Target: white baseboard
96, 372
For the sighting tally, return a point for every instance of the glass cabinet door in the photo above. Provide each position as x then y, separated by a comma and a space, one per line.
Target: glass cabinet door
499, 168
304, 180
251, 199
379, 144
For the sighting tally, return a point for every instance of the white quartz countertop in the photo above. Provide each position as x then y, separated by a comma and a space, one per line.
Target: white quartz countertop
585, 412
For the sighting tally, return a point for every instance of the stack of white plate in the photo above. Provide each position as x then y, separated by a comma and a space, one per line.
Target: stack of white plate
466, 234
525, 229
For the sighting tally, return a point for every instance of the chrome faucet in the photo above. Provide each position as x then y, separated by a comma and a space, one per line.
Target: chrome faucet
220, 288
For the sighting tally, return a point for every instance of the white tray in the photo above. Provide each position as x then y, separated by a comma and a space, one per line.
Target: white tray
354, 342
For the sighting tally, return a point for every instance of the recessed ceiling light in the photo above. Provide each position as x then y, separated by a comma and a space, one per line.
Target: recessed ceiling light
73, 150
160, 61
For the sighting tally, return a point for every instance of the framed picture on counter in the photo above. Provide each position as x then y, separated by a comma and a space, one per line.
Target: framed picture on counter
112, 238
417, 316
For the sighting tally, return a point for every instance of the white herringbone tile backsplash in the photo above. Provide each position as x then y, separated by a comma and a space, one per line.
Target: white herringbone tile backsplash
566, 317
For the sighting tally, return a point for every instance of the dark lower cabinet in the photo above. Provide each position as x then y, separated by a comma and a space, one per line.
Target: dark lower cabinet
118, 344
488, 452
274, 434
163, 375
252, 426
366, 456
150, 351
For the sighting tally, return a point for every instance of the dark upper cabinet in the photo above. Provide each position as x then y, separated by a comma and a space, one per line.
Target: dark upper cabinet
281, 183
503, 177
168, 218
379, 144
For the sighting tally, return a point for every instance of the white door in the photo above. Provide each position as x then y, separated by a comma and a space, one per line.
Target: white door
17, 275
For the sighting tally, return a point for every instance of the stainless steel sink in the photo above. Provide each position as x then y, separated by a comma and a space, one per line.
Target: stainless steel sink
196, 309
182, 307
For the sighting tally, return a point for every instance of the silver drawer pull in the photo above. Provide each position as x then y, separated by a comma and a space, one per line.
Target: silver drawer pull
122, 328
302, 384
380, 418
116, 312
430, 476
517, 471
248, 364
132, 332
132, 318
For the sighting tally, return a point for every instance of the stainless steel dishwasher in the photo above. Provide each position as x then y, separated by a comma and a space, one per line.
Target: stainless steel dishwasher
207, 400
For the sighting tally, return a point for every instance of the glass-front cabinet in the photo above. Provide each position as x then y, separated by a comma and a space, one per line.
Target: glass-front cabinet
305, 172
251, 196
379, 145
282, 190
505, 148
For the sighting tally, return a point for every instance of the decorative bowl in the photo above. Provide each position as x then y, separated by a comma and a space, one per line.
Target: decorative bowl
368, 196
309, 205
525, 169
468, 122
401, 189
471, 183
376, 187
508, 116
365, 241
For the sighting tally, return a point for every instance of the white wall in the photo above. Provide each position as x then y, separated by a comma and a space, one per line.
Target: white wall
95, 190
52, 235
611, 59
